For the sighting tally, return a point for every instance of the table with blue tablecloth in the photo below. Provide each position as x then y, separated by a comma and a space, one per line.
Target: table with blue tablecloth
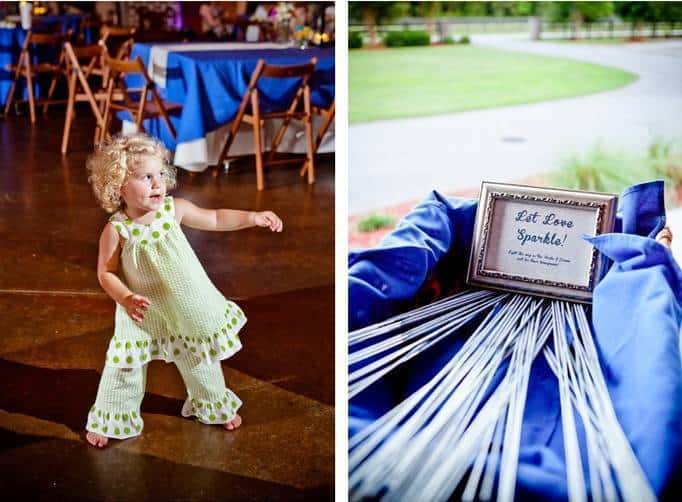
209, 80
11, 40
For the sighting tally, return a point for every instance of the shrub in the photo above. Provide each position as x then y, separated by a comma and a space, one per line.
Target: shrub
375, 222
407, 38
451, 41
666, 164
598, 171
603, 170
354, 40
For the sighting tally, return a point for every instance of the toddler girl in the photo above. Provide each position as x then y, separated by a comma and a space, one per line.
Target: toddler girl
166, 306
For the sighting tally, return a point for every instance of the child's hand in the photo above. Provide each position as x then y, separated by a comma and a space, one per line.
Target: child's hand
269, 220
136, 305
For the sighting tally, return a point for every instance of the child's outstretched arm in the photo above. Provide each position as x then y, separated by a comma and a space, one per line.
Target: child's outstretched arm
107, 268
224, 219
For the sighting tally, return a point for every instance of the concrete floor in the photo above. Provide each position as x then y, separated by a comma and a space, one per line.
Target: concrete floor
57, 324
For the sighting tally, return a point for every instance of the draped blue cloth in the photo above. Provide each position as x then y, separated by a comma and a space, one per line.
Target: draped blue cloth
11, 40
210, 86
636, 319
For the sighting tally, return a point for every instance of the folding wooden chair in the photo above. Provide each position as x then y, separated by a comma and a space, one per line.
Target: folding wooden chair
134, 100
82, 62
249, 112
327, 115
28, 69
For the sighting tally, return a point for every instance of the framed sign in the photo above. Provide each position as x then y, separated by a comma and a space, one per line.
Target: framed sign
529, 240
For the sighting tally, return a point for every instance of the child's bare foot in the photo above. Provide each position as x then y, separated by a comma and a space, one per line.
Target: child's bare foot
96, 440
234, 423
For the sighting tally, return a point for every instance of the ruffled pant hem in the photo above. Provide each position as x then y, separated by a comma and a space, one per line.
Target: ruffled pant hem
117, 425
211, 412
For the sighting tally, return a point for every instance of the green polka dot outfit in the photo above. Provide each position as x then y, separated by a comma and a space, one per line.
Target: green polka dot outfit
189, 323
158, 262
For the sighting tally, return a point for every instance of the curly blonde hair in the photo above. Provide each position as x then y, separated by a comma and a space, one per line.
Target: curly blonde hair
114, 159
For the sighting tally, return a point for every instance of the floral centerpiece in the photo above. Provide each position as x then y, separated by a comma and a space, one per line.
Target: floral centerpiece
281, 18
304, 35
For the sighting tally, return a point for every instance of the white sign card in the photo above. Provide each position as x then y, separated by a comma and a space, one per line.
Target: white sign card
530, 240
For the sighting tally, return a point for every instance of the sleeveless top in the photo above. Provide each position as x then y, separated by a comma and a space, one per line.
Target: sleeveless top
187, 313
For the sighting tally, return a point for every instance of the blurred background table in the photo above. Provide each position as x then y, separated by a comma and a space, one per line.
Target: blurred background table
12, 38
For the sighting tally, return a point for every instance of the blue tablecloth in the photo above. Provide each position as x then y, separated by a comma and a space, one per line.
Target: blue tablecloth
636, 317
11, 40
210, 86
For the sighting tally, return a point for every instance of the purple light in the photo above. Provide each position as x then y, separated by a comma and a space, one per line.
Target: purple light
177, 18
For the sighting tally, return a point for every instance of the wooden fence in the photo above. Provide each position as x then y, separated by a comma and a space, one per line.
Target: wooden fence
441, 28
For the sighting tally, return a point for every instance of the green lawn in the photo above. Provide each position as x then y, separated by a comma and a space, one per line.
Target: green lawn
421, 81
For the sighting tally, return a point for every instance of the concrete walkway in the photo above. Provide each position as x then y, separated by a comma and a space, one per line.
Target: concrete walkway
399, 160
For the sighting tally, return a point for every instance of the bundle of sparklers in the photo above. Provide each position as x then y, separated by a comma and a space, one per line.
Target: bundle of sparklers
461, 431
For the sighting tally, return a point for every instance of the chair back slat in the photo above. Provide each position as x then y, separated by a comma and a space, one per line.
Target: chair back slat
47, 38
85, 52
128, 66
302, 71
117, 31
289, 71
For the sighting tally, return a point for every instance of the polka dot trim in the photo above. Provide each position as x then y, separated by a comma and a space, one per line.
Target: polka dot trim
140, 234
219, 411
221, 344
114, 424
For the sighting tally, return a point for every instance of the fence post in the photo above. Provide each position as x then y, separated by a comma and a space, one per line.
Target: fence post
535, 24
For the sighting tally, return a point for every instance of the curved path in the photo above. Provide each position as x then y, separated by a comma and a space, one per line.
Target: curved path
404, 159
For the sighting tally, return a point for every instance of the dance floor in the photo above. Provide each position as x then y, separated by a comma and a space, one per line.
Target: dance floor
57, 323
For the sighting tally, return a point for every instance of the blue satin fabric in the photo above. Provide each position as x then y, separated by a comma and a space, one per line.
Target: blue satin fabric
636, 317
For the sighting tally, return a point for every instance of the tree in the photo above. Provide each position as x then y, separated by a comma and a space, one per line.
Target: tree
648, 12
372, 13
428, 10
577, 12
590, 12
636, 13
